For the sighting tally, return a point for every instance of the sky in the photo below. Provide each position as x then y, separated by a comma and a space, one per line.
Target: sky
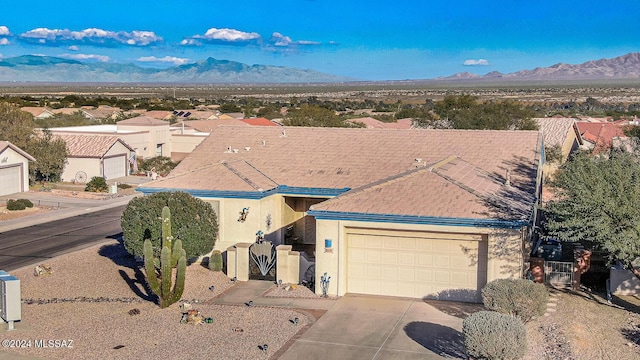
362, 40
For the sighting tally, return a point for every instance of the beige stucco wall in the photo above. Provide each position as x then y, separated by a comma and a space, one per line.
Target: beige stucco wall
91, 166
13, 158
157, 134
505, 249
185, 143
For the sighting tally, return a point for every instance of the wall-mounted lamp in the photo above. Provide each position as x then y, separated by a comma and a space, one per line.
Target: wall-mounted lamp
328, 245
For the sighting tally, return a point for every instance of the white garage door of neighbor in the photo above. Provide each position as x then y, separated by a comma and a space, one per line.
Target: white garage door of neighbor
417, 265
10, 180
115, 167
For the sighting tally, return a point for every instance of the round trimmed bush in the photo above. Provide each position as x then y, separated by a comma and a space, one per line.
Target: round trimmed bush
192, 220
27, 203
13, 205
491, 335
97, 184
517, 297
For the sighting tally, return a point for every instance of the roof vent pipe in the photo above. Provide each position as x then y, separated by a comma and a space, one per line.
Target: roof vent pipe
507, 181
264, 142
284, 133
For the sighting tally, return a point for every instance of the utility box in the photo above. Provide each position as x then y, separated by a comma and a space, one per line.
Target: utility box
10, 303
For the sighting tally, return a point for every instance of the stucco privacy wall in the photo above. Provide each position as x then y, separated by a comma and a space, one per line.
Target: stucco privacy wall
91, 166
504, 257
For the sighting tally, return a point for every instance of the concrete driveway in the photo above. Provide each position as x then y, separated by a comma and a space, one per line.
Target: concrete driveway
376, 327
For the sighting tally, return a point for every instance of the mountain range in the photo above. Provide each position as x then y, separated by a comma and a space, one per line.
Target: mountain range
621, 67
32, 68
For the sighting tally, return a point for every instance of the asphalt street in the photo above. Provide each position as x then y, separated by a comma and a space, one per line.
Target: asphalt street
36, 243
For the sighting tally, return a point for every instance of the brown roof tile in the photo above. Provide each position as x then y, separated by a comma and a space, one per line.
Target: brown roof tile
89, 145
142, 120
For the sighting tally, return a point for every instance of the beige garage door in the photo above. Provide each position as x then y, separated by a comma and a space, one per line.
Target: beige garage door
417, 265
10, 180
115, 167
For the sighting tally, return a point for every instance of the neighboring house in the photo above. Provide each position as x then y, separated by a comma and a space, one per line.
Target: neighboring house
158, 114
39, 112
14, 169
236, 116
413, 213
601, 136
259, 122
561, 133
95, 155
102, 113
371, 123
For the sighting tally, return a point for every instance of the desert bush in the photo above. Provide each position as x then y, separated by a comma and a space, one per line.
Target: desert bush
124, 186
491, 335
521, 298
215, 261
13, 205
193, 220
27, 203
97, 184
160, 164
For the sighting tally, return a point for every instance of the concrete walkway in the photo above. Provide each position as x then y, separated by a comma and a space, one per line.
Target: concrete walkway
362, 326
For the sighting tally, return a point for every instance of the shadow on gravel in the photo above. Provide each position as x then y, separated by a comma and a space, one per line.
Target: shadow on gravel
442, 340
118, 254
137, 284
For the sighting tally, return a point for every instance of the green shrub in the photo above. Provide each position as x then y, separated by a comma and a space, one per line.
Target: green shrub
215, 261
13, 205
491, 335
193, 220
27, 203
517, 297
160, 164
97, 184
124, 186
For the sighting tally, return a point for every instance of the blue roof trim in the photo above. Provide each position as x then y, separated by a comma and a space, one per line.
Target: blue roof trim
256, 195
415, 219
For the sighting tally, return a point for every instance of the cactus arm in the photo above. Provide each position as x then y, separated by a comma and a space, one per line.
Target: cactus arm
178, 288
150, 268
165, 272
176, 253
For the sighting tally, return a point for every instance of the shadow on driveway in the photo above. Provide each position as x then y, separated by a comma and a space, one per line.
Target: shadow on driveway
442, 340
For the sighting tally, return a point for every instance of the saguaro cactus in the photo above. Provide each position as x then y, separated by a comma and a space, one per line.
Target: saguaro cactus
170, 257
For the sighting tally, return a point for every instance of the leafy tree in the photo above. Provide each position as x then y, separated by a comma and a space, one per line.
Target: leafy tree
466, 112
315, 115
160, 164
16, 126
194, 222
598, 205
229, 108
51, 156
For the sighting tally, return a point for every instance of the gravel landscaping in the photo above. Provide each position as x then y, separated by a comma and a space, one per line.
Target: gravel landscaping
96, 298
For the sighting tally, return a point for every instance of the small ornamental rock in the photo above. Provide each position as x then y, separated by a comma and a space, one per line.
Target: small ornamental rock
42, 269
192, 317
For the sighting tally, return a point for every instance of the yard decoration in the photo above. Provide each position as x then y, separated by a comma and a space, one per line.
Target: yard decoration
169, 259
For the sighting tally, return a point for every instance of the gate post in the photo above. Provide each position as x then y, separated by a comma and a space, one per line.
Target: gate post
287, 265
238, 261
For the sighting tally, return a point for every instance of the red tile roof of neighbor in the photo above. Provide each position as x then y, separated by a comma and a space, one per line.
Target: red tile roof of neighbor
90, 145
391, 171
600, 134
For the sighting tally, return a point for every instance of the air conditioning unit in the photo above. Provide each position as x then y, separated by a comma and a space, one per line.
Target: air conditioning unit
10, 306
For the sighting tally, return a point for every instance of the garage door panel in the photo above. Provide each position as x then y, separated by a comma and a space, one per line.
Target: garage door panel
10, 180
114, 167
414, 266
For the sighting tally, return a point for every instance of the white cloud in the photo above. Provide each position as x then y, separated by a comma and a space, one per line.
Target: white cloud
100, 58
4, 31
224, 35
73, 48
92, 35
472, 62
4, 41
280, 40
166, 59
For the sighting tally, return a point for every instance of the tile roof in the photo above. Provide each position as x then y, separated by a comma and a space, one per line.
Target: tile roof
6, 144
259, 122
142, 120
208, 126
35, 110
157, 114
600, 134
89, 145
372, 123
555, 130
249, 158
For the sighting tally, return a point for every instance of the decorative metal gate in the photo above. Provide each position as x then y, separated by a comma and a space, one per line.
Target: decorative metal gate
262, 266
558, 273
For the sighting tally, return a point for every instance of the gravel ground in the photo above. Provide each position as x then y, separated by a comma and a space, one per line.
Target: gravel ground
90, 293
